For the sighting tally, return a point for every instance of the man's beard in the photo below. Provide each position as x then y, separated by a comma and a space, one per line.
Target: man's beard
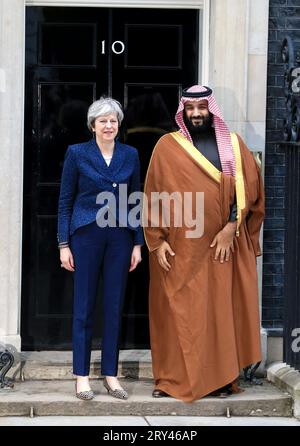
195, 130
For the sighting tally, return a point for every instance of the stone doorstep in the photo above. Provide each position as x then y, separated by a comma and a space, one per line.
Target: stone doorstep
47, 365
286, 378
58, 365
56, 397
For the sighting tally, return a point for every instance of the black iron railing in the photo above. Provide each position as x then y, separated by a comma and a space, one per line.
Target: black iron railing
292, 257
290, 51
291, 60
6, 362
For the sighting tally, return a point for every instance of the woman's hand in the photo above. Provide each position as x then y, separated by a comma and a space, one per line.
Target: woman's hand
66, 259
161, 254
136, 257
224, 242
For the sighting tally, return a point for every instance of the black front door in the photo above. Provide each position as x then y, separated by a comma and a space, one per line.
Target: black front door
141, 57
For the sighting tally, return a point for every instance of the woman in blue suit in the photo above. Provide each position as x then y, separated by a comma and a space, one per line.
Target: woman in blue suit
88, 247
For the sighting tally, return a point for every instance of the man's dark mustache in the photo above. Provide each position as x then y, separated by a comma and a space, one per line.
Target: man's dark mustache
204, 124
206, 120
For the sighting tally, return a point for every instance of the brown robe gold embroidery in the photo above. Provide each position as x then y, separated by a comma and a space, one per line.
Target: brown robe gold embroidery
204, 315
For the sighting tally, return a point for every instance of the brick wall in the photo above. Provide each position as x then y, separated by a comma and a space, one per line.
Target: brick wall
284, 19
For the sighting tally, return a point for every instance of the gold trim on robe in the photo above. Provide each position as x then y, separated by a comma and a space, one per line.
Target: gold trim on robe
197, 156
215, 173
239, 181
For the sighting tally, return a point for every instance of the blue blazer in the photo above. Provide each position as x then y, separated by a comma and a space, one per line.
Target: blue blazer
86, 174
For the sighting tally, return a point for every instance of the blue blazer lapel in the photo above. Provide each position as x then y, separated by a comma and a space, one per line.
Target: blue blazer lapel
118, 159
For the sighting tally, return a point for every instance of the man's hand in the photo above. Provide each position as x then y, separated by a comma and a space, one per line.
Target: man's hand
224, 242
66, 259
161, 254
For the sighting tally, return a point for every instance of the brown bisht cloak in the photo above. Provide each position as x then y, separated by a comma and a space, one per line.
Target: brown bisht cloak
204, 315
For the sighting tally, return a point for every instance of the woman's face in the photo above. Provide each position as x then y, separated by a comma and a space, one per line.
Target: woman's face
106, 127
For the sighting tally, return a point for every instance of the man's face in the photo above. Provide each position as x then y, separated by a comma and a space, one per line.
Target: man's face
197, 116
196, 111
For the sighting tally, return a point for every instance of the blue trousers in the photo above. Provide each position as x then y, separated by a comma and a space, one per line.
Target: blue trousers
99, 250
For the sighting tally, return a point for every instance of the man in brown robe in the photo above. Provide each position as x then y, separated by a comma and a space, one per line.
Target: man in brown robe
204, 312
